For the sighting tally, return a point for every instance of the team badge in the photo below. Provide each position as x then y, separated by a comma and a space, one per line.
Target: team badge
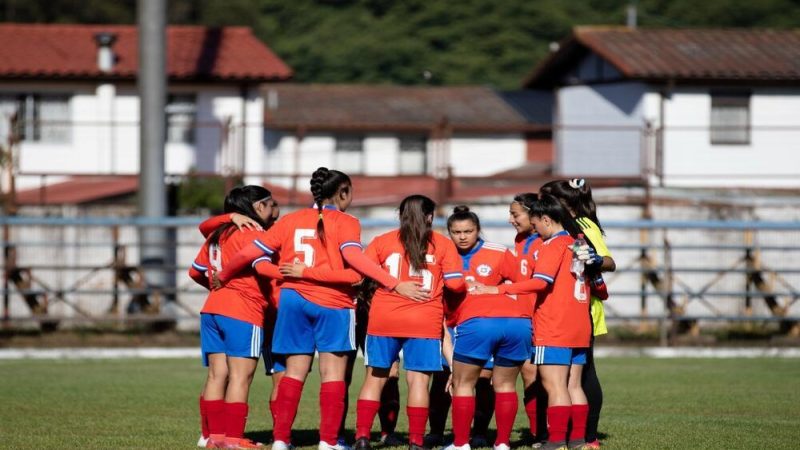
484, 270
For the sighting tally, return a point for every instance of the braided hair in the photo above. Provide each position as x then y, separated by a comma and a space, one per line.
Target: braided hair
325, 184
415, 229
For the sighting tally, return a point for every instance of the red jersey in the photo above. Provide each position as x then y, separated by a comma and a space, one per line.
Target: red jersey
396, 316
559, 319
243, 298
524, 247
489, 264
295, 237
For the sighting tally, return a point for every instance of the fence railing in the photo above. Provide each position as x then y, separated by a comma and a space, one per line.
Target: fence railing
675, 277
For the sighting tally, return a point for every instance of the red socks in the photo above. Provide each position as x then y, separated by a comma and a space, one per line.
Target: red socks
331, 407
235, 419
286, 404
215, 414
530, 410
579, 415
273, 408
365, 415
505, 411
463, 413
417, 418
203, 418
557, 421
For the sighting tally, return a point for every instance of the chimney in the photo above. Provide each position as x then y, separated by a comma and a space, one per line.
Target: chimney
105, 55
632, 15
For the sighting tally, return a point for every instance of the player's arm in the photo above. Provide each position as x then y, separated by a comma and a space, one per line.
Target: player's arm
452, 268
241, 221
509, 268
264, 243
265, 268
447, 345
199, 269
367, 265
321, 274
546, 270
598, 287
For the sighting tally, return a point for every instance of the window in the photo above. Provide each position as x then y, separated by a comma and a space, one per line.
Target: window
350, 153
40, 117
413, 155
730, 119
181, 110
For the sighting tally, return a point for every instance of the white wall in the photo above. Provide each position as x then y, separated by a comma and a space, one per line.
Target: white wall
771, 160
600, 129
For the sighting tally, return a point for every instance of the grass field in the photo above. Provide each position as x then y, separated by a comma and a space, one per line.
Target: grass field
649, 404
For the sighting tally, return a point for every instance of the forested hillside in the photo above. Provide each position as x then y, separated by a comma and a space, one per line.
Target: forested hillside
438, 42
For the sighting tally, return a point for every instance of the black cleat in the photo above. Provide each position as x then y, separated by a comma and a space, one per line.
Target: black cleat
362, 444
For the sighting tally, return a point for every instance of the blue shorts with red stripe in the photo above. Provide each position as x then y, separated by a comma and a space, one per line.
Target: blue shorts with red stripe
233, 337
304, 327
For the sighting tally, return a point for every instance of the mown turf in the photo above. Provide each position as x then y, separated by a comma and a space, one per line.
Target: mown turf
649, 404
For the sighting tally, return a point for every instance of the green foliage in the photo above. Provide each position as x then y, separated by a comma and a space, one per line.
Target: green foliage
495, 43
648, 403
202, 194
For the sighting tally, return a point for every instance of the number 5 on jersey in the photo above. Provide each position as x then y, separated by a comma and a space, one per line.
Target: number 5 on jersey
301, 245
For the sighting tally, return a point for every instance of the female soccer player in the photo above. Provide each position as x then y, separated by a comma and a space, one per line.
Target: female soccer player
316, 312
489, 326
561, 321
526, 244
576, 196
413, 252
232, 322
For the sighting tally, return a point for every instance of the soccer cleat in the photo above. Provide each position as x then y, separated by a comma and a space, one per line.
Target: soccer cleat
554, 446
433, 440
391, 440
595, 444
325, 446
213, 441
280, 445
501, 447
203, 442
458, 447
241, 443
579, 446
362, 444
416, 447
478, 441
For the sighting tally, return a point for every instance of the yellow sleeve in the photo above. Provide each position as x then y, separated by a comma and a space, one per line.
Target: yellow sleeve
592, 232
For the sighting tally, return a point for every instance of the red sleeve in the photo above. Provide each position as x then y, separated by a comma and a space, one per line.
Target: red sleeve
209, 225
451, 268
360, 262
245, 256
547, 266
509, 267
265, 268
199, 278
326, 275
524, 287
349, 233
200, 266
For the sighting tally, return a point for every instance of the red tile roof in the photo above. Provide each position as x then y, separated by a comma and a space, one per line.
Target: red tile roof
36, 51
79, 190
388, 108
684, 55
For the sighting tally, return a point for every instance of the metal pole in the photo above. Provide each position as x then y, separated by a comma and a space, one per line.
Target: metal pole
152, 84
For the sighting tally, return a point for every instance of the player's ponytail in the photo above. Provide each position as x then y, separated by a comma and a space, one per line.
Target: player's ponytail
416, 217
462, 212
242, 200
576, 195
325, 185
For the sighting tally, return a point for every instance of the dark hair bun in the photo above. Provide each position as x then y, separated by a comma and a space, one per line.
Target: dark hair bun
461, 209
318, 178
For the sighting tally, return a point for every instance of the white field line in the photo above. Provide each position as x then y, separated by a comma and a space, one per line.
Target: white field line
194, 352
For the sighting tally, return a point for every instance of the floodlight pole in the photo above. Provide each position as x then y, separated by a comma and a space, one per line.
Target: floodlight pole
152, 85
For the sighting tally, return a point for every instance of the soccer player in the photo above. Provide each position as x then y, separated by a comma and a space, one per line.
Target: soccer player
413, 252
526, 243
316, 311
561, 321
576, 196
232, 322
488, 326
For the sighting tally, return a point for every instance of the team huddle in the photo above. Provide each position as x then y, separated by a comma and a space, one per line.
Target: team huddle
469, 316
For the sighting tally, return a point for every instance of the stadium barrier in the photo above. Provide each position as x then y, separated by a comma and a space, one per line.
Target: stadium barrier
676, 277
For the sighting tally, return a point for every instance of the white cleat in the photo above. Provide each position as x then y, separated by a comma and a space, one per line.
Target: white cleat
501, 447
458, 447
280, 445
338, 446
202, 442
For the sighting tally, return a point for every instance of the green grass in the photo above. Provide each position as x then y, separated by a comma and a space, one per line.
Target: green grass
649, 404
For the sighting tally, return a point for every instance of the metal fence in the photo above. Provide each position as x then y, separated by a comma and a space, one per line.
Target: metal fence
673, 277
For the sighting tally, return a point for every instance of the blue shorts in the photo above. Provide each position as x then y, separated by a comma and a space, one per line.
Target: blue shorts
237, 338
419, 354
488, 366
304, 327
559, 356
506, 339
273, 362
